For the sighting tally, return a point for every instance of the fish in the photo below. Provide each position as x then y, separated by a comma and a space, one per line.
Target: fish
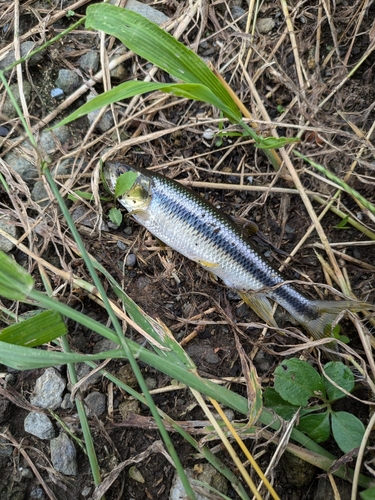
187, 223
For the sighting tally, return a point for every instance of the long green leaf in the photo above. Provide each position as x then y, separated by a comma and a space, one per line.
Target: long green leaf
15, 282
38, 330
154, 44
125, 90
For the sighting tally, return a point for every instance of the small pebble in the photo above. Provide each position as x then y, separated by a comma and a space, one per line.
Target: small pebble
130, 260
48, 390
4, 131
57, 93
208, 134
121, 245
39, 425
68, 81
265, 25
95, 403
63, 455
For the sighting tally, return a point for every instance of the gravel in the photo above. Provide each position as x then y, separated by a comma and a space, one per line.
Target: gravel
68, 81
39, 425
95, 403
48, 390
8, 109
25, 48
6, 225
89, 62
63, 455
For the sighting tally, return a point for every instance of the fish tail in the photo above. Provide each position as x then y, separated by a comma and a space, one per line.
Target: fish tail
328, 311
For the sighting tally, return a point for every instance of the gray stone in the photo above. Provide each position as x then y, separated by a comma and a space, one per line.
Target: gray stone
265, 25
63, 455
105, 122
207, 474
39, 425
48, 390
25, 48
8, 109
82, 371
146, 11
48, 139
104, 345
89, 62
130, 260
95, 403
237, 13
119, 72
6, 225
86, 217
68, 81
67, 402
28, 172
39, 193
37, 493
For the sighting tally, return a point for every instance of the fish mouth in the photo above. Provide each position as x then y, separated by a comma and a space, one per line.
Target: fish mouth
138, 196
110, 172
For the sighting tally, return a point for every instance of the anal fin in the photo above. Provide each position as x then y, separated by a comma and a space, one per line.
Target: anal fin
260, 304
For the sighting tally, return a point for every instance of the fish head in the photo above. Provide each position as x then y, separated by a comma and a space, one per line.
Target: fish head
135, 198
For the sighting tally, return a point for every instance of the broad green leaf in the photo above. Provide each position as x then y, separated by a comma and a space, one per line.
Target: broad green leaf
125, 90
37, 330
274, 142
275, 402
316, 426
343, 377
15, 282
347, 430
368, 494
154, 44
296, 381
115, 216
125, 182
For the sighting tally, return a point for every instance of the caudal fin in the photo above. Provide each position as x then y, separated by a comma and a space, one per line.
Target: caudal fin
328, 312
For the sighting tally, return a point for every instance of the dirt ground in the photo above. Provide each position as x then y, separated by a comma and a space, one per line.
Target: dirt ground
316, 81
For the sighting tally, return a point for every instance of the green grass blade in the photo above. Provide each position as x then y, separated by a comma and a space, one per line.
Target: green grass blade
124, 342
15, 282
343, 185
35, 331
27, 358
154, 44
125, 90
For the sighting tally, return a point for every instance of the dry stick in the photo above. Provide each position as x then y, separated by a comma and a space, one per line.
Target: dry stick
332, 27
361, 453
362, 14
293, 41
17, 56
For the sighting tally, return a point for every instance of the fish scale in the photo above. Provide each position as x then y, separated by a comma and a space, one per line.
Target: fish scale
200, 232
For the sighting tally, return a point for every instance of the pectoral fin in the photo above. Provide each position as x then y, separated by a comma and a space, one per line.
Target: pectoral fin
207, 264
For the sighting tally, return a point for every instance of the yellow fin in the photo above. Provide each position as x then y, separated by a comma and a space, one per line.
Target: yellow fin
260, 305
205, 263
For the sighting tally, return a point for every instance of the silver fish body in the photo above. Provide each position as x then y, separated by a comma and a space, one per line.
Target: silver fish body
200, 232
